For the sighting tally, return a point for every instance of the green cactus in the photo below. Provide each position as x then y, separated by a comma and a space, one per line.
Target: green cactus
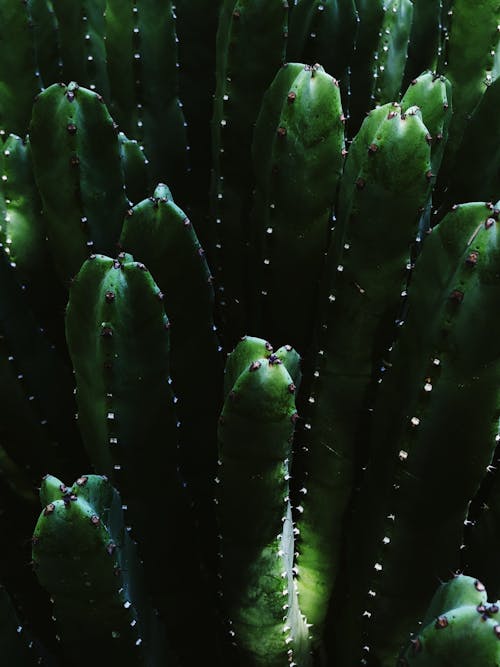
236, 237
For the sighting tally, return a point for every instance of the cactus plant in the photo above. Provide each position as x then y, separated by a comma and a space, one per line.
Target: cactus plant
249, 278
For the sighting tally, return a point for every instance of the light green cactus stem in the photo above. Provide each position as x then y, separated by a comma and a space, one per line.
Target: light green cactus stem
77, 166
324, 33
298, 154
240, 84
432, 94
391, 53
84, 557
441, 391
141, 50
80, 35
464, 634
377, 223
255, 523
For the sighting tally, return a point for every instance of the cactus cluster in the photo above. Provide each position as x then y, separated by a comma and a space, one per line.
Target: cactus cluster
249, 275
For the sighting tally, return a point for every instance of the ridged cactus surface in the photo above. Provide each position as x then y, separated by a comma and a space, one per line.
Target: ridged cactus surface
249, 288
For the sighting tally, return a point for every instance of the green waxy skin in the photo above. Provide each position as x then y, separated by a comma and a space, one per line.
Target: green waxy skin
461, 590
240, 85
77, 166
298, 153
248, 350
80, 32
115, 326
472, 63
142, 63
325, 33
46, 42
259, 598
460, 628
432, 94
391, 54
378, 216
442, 394
84, 557
19, 83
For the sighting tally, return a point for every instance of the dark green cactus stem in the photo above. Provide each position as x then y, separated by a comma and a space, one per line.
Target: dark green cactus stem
324, 33
18, 69
378, 216
36, 388
298, 153
471, 65
46, 42
118, 338
159, 234
391, 53
135, 168
141, 49
370, 17
476, 173
196, 90
16, 644
23, 238
257, 537
81, 32
442, 394
240, 85
84, 557
464, 635
76, 159
425, 38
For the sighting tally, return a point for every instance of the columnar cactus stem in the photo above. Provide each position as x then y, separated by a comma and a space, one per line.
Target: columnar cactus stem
298, 153
240, 85
84, 557
141, 48
76, 159
253, 505
442, 394
81, 31
18, 69
368, 263
324, 33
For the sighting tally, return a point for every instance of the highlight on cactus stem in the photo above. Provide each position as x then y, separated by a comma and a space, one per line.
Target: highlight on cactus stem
249, 288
